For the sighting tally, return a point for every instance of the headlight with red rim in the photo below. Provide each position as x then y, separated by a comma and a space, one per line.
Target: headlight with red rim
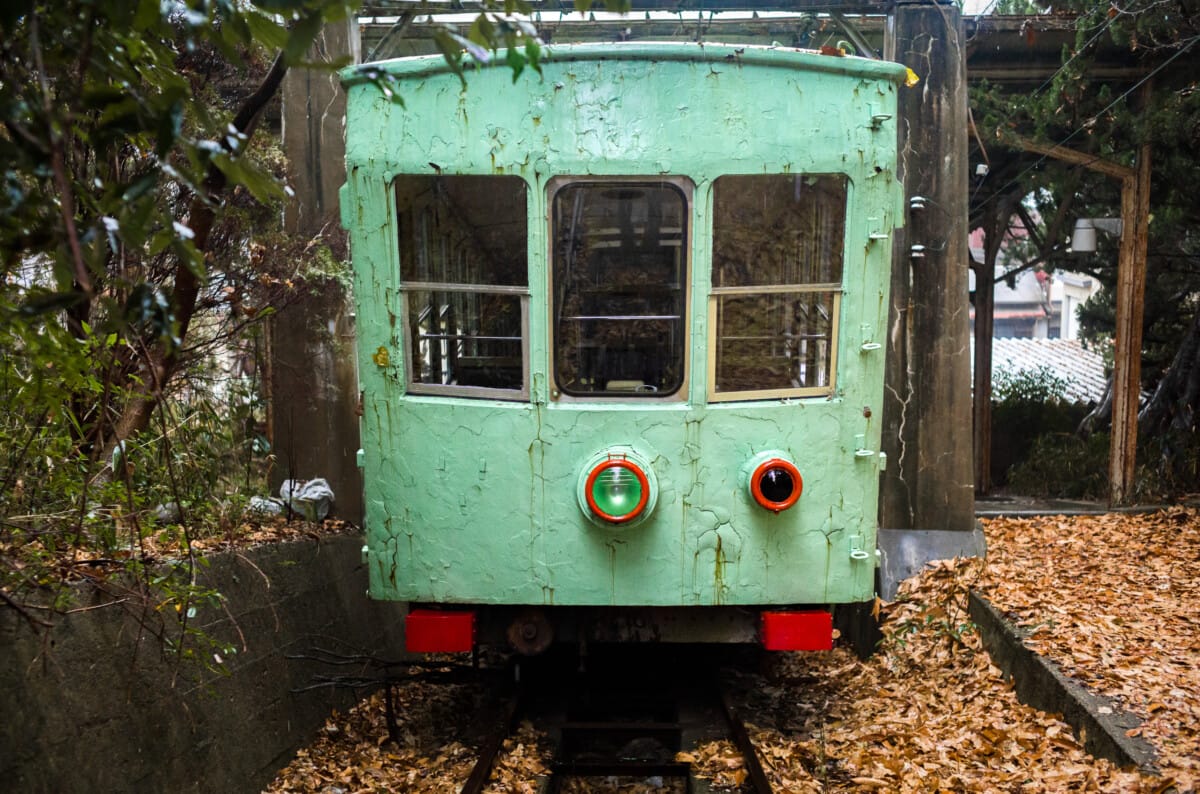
617, 487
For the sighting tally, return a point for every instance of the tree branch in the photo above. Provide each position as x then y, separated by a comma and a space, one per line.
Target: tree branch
202, 214
66, 201
1093, 162
34, 623
247, 117
1030, 227
161, 363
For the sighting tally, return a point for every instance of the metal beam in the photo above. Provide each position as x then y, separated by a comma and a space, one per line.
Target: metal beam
1000, 49
864, 47
693, 6
792, 30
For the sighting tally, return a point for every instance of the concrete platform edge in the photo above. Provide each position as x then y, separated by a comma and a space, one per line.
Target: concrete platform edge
1040, 683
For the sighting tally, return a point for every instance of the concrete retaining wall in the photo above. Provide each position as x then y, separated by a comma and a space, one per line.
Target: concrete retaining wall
88, 707
1100, 725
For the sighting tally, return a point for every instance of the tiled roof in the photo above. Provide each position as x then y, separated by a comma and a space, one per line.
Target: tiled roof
1082, 369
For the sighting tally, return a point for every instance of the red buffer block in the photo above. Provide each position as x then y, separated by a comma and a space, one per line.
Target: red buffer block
435, 631
804, 630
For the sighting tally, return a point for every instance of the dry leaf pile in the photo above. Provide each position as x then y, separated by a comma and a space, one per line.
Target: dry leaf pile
439, 731
1115, 600
258, 532
169, 544
1112, 598
929, 713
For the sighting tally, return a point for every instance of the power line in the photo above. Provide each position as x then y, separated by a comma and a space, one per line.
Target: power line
1103, 28
1078, 52
1186, 46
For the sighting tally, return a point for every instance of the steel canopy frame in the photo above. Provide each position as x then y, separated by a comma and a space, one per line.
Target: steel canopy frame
443, 6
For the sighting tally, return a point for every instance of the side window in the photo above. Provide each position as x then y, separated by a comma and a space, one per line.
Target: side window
619, 281
464, 282
776, 285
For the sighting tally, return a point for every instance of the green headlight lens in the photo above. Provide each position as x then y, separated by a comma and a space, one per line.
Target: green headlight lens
617, 491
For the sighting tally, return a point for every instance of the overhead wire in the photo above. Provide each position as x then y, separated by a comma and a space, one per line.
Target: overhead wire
1100, 32
1080, 51
1186, 45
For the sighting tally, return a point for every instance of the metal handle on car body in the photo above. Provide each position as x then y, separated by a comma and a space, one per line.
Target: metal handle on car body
857, 552
867, 343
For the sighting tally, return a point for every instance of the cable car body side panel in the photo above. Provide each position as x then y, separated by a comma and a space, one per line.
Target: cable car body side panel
474, 500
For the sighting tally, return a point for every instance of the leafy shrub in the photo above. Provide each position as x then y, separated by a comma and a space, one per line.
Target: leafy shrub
1067, 466
1027, 405
1169, 465
1063, 465
1039, 385
141, 241
126, 524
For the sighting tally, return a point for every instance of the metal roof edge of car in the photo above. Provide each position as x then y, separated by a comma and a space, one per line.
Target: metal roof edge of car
745, 54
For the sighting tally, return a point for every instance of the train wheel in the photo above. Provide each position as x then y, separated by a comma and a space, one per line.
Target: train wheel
530, 633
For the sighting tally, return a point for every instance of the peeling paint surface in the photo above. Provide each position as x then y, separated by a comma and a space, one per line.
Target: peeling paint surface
473, 500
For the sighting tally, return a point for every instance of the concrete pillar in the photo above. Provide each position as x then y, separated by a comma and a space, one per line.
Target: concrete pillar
313, 381
929, 482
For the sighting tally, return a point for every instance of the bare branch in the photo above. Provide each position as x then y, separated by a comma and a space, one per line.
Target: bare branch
35, 623
66, 200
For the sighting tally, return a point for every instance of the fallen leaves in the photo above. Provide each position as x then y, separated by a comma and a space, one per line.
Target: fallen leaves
929, 713
1112, 599
1115, 601
355, 754
170, 543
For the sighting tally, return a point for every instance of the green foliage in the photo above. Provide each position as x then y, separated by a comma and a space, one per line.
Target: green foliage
140, 243
1064, 465
141, 246
1169, 464
1114, 118
133, 185
1027, 406
1036, 385
206, 455
1020, 7
105, 104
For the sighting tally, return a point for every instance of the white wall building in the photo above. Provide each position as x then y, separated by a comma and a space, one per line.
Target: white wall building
1039, 305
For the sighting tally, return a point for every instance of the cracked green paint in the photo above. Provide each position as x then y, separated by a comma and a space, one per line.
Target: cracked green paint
475, 500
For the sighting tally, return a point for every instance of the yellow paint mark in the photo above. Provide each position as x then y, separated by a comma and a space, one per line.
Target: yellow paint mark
910, 77
381, 357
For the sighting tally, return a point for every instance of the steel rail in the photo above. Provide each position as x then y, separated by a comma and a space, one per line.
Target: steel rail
754, 769
491, 748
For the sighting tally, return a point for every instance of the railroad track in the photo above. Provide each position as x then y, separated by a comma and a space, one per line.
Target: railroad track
627, 717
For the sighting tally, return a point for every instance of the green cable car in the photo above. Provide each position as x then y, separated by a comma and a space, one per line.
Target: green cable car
621, 336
